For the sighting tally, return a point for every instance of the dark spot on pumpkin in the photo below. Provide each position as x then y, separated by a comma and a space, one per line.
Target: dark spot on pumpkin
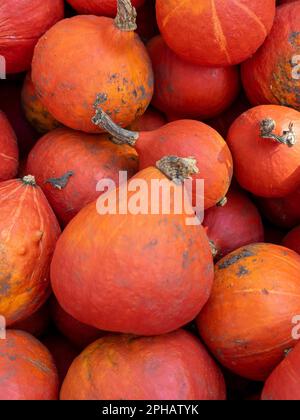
185, 259
265, 292
113, 76
143, 92
228, 261
125, 81
4, 284
242, 271
151, 244
294, 39
101, 98
134, 92
60, 183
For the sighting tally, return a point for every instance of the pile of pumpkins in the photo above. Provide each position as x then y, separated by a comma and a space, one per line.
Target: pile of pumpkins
145, 306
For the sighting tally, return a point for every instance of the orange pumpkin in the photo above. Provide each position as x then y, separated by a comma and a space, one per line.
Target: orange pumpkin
27, 370
271, 142
174, 366
9, 154
86, 56
247, 322
152, 270
28, 232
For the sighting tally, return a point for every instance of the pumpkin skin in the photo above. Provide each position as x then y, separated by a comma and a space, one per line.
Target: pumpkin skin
79, 334
99, 7
174, 366
121, 73
36, 324
268, 75
247, 321
35, 112
70, 178
28, 231
9, 154
27, 370
292, 240
284, 382
151, 120
220, 25
275, 169
171, 270
236, 224
22, 23
185, 90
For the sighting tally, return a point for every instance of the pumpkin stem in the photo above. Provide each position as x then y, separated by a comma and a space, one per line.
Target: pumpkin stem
177, 169
222, 202
119, 134
29, 180
214, 249
126, 16
267, 127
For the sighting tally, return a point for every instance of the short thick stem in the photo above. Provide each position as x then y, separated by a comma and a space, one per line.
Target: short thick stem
214, 249
126, 16
177, 169
222, 202
267, 128
29, 180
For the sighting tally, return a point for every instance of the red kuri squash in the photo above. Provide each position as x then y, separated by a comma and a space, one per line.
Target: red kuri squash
217, 32
174, 366
9, 154
99, 7
247, 322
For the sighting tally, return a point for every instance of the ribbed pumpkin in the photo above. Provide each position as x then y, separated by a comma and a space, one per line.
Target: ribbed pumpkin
9, 154
86, 56
272, 75
247, 322
292, 239
70, 178
185, 90
181, 138
35, 112
27, 370
28, 231
233, 225
149, 267
215, 33
22, 24
99, 7
284, 382
271, 142
174, 366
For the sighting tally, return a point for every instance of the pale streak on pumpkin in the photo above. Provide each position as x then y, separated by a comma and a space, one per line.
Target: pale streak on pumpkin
258, 353
196, 7
16, 214
270, 292
5, 197
250, 13
8, 157
219, 31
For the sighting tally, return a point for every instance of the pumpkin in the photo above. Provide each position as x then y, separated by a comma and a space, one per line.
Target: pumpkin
219, 24
283, 212
99, 7
271, 140
27, 370
28, 231
247, 321
154, 269
151, 120
272, 75
22, 24
292, 239
185, 90
116, 67
233, 225
284, 382
9, 154
181, 138
79, 334
70, 178
35, 112
174, 366
36, 324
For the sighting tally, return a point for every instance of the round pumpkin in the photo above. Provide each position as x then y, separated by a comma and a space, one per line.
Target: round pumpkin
284, 382
70, 178
9, 154
272, 75
28, 232
209, 33
269, 137
151, 120
174, 366
90, 56
35, 112
153, 271
181, 138
292, 239
185, 90
79, 334
36, 324
27, 370
233, 225
99, 7
22, 24
247, 322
